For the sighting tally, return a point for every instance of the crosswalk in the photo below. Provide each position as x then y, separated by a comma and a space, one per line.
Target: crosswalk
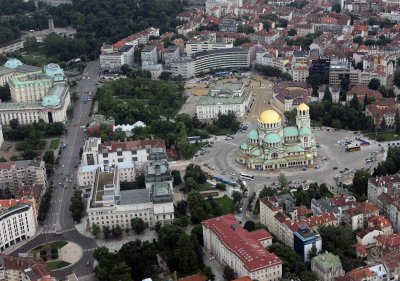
87, 277
89, 250
56, 227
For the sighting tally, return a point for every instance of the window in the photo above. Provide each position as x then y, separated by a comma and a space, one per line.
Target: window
105, 155
119, 153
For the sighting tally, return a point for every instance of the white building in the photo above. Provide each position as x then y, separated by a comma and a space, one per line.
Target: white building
170, 54
243, 251
149, 55
194, 47
222, 99
14, 67
126, 173
183, 66
112, 59
127, 128
109, 206
154, 69
327, 266
17, 222
117, 152
17, 174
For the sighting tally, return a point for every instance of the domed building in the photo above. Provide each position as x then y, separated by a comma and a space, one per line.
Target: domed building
273, 146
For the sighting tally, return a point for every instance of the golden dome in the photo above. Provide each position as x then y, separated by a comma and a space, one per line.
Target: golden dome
303, 106
269, 117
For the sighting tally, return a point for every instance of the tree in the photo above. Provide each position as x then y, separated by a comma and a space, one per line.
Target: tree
383, 124
195, 172
396, 77
283, 181
96, 230
374, 84
5, 93
191, 184
355, 103
314, 81
237, 196
292, 32
14, 123
177, 179
197, 231
138, 225
360, 182
48, 157
229, 273
313, 252
106, 231
30, 44
207, 271
186, 256
397, 122
327, 94
77, 207
116, 231
250, 225
358, 40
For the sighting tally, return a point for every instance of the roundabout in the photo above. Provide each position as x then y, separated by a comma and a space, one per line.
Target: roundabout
58, 254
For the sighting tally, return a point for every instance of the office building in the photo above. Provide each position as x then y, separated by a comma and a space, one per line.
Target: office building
222, 99
149, 55
17, 221
112, 58
273, 146
94, 152
14, 67
110, 206
183, 66
304, 240
321, 67
17, 174
195, 47
243, 251
170, 54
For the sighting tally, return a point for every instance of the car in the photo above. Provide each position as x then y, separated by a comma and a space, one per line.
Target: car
88, 263
334, 168
59, 183
63, 165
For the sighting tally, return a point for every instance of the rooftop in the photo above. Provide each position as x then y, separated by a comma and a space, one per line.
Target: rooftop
238, 240
327, 261
135, 196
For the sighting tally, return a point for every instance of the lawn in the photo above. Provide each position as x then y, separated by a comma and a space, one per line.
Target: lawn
56, 244
224, 131
54, 265
384, 136
54, 144
226, 204
205, 187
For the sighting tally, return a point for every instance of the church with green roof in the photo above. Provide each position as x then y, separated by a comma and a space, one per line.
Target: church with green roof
273, 146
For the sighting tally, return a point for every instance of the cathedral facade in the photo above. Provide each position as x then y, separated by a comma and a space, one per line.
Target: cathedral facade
273, 146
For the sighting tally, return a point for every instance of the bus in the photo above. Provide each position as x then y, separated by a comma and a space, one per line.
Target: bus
247, 177
194, 139
350, 148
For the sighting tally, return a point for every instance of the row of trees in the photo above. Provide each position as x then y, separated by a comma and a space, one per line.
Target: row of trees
44, 205
391, 165
271, 71
314, 191
77, 206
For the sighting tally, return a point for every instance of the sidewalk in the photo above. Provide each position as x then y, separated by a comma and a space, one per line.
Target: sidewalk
22, 243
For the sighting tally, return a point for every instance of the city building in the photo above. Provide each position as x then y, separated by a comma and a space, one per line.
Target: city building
362, 91
141, 37
195, 47
222, 99
154, 69
149, 55
127, 172
272, 146
228, 25
321, 67
110, 206
304, 240
97, 122
288, 95
334, 90
1, 136
17, 174
243, 251
380, 185
94, 152
372, 273
380, 110
357, 217
170, 54
113, 58
327, 266
183, 66
14, 67
17, 221
22, 268
232, 58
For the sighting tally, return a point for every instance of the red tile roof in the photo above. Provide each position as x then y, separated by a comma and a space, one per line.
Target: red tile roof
392, 240
321, 219
360, 274
380, 222
239, 241
391, 260
244, 278
131, 145
303, 211
363, 208
37, 265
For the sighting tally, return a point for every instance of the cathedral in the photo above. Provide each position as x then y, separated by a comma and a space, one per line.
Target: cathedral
273, 146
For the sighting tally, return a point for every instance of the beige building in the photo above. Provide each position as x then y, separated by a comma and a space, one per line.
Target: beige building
243, 251
357, 218
327, 267
17, 174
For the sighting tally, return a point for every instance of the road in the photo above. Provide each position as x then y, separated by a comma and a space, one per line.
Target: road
59, 218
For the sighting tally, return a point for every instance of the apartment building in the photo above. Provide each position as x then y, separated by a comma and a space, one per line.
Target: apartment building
243, 251
17, 222
110, 206
183, 66
357, 217
327, 266
24, 269
380, 110
149, 55
304, 240
17, 174
94, 152
170, 54
112, 58
380, 185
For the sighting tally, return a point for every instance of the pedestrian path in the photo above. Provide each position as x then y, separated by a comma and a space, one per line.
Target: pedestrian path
87, 277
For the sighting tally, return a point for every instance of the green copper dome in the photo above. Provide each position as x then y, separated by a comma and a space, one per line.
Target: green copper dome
253, 135
305, 131
244, 146
13, 63
256, 152
50, 101
272, 138
290, 132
